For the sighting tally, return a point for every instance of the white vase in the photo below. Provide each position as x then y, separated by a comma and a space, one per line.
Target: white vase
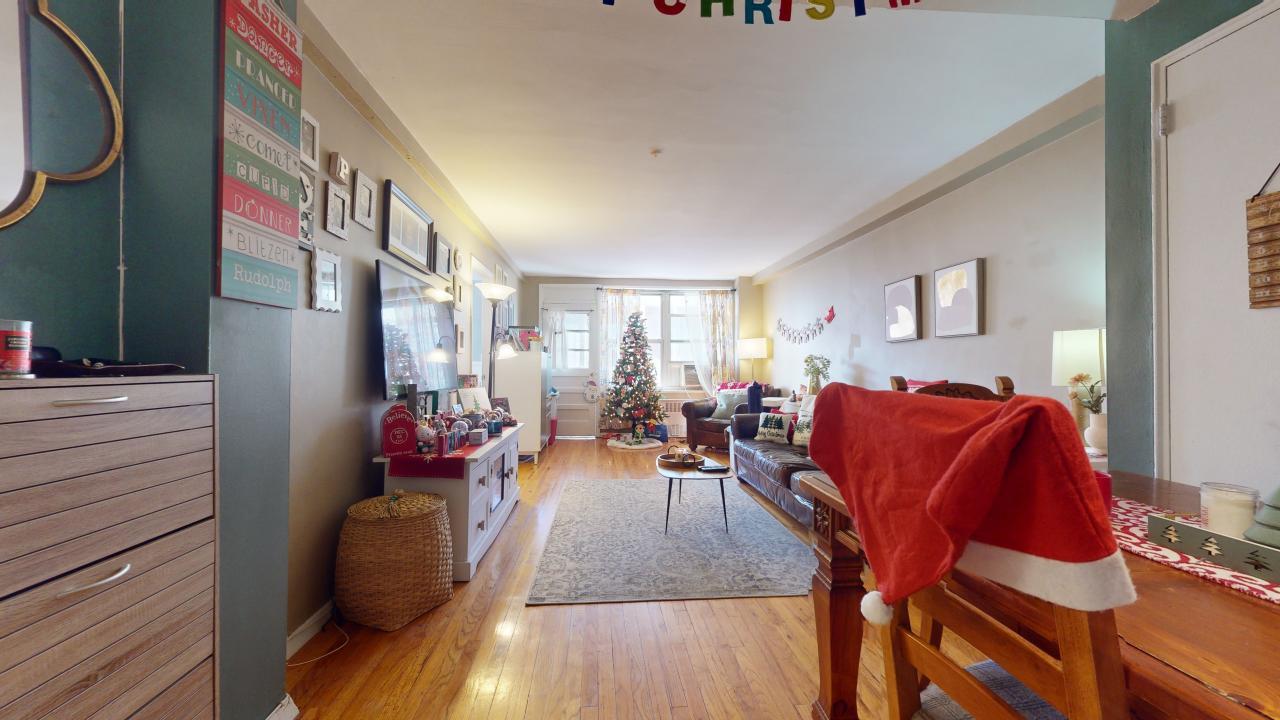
1096, 434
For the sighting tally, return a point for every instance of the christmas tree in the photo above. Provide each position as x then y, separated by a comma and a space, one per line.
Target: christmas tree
634, 397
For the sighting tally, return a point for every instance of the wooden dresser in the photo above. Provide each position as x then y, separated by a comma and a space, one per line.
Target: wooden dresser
108, 555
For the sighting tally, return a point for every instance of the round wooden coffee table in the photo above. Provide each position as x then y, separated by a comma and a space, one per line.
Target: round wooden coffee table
672, 475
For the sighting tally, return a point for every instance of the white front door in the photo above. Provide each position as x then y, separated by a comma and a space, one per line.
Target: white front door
1216, 359
576, 364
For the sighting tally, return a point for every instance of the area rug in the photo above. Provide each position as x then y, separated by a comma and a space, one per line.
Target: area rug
607, 545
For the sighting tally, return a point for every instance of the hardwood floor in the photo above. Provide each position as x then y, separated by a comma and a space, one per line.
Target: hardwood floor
485, 655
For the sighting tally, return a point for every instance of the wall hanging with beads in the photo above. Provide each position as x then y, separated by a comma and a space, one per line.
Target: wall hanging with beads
809, 332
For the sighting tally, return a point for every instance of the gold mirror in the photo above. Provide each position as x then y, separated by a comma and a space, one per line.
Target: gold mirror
42, 135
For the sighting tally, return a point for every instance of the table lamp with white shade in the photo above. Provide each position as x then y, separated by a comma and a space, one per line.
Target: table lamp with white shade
499, 349
753, 349
1076, 353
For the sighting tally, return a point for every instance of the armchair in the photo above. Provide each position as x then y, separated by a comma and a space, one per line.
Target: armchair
702, 429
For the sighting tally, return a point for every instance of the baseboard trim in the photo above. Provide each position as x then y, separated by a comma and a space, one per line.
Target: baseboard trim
306, 631
286, 710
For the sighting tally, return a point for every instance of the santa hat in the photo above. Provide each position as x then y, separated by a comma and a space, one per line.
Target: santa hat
999, 490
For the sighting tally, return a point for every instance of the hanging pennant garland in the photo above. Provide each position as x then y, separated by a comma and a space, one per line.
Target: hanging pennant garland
809, 332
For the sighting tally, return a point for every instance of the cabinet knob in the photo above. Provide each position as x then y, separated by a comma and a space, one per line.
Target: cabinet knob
510, 472
483, 481
480, 526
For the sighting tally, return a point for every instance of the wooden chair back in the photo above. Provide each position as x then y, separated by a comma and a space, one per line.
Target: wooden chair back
1003, 391
1070, 658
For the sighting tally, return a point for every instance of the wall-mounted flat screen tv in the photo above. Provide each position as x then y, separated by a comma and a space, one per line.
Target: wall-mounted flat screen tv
419, 343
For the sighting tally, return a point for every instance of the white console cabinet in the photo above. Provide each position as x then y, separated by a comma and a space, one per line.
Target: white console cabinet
479, 502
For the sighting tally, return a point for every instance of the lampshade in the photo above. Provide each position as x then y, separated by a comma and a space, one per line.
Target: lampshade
438, 294
439, 355
506, 350
494, 292
1079, 351
753, 349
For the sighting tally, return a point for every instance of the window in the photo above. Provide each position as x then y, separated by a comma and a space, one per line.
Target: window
577, 340
667, 320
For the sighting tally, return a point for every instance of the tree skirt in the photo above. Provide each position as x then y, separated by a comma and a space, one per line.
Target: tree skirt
647, 444
607, 545
1129, 519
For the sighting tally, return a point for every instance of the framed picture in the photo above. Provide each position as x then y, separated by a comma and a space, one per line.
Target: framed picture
902, 310
307, 209
310, 141
365, 202
959, 294
337, 215
326, 281
457, 408
456, 288
443, 257
339, 168
407, 229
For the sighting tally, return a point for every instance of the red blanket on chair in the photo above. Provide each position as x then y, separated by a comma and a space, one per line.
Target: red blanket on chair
1001, 490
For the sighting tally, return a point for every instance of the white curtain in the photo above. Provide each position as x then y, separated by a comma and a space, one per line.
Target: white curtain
712, 330
615, 307
553, 329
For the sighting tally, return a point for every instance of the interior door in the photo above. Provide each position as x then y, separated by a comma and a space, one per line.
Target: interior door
578, 417
1218, 381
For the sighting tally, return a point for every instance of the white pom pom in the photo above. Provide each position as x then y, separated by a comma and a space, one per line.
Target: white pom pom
874, 609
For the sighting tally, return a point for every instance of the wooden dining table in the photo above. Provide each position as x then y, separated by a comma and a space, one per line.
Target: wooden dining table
1192, 649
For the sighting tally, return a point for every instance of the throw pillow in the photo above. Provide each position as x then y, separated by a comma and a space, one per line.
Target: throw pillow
774, 428
803, 431
727, 402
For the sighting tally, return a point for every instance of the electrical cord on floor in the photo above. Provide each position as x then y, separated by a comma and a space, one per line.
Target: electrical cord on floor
346, 639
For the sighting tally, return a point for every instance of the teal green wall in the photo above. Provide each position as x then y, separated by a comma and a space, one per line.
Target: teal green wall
1131, 48
58, 265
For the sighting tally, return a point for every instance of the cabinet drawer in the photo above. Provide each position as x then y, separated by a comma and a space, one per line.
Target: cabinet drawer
32, 671
190, 697
60, 402
477, 522
32, 470
24, 438
97, 680
36, 502
23, 572
49, 530
40, 602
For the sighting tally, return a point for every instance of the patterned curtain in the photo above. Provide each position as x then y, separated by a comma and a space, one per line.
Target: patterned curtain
615, 307
713, 334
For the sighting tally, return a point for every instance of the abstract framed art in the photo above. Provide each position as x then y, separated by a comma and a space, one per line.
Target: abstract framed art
902, 310
326, 281
959, 297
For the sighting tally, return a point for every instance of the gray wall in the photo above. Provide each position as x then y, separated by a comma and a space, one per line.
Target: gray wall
1131, 48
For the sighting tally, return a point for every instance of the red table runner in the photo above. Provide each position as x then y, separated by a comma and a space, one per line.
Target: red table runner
1129, 519
453, 465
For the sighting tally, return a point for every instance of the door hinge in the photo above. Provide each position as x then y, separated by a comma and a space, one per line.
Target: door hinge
1165, 119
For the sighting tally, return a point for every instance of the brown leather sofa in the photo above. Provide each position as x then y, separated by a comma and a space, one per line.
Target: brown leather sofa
772, 468
702, 429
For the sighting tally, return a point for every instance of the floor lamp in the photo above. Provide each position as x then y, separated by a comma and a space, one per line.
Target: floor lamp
495, 294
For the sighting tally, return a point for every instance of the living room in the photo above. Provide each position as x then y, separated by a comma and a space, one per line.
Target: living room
438, 360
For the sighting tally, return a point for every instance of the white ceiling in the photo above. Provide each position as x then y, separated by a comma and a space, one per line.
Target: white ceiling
543, 114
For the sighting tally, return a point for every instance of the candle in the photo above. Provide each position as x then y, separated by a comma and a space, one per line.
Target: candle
1228, 509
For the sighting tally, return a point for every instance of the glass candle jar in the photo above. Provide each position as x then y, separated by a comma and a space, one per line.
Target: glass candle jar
1228, 509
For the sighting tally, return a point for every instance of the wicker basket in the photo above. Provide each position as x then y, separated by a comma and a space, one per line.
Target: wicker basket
395, 559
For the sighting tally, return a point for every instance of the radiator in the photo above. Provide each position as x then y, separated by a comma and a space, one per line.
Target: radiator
675, 421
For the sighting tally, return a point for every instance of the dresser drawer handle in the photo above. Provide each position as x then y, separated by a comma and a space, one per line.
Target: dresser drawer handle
105, 581
483, 481
480, 526
92, 401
